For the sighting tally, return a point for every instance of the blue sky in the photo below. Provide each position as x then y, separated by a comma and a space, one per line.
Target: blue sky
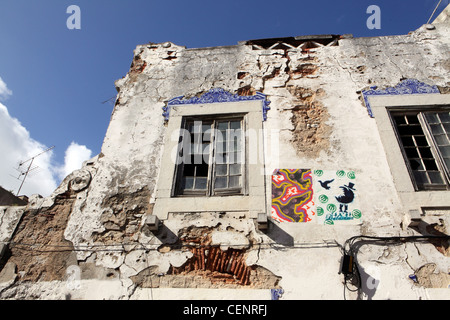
57, 80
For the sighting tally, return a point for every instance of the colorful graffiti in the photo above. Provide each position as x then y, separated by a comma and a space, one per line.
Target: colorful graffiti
292, 195
305, 195
336, 197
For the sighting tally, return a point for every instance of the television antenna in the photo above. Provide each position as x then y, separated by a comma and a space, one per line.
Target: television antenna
29, 168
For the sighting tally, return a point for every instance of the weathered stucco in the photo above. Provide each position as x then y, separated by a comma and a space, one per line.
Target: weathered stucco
90, 239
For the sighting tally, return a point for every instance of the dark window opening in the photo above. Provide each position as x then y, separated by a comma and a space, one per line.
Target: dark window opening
212, 157
425, 141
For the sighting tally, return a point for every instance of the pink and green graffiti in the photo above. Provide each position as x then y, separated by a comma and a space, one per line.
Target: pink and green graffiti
292, 195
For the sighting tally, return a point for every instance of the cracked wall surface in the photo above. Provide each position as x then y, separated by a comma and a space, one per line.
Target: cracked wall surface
101, 246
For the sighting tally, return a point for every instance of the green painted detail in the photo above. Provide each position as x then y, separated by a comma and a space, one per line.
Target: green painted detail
323, 198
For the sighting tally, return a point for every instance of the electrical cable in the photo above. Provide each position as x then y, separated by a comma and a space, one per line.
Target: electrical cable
434, 11
349, 249
354, 277
120, 247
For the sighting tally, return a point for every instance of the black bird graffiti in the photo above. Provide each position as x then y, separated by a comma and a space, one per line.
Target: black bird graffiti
325, 184
347, 197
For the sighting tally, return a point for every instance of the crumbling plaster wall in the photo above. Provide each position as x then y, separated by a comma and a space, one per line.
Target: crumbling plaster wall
317, 120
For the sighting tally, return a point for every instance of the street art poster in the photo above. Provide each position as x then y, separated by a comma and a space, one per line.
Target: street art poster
292, 195
336, 197
313, 195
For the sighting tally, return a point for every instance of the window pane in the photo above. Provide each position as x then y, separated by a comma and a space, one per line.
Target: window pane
431, 118
200, 183
420, 177
235, 125
447, 162
221, 182
426, 152
238, 145
221, 158
235, 181
188, 170
408, 141
416, 164
234, 157
445, 151
196, 132
207, 134
444, 116
223, 125
197, 158
410, 130
430, 164
201, 170
223, 146
206, 149
220, 144
206, 126
233, 145
436, 128
239, 157
192, 159
411, 152
196, 148
221, 135
221, 169
447, 127
412, 119
197, 126
421, 141
235, 141
188, 182
400, 120
435, 177
235, 169
441, 139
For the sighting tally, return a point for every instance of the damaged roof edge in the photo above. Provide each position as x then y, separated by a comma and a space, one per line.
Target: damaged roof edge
263, 41
297, 38
323, 39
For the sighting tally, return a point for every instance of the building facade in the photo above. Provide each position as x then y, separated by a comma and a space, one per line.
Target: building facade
310, 167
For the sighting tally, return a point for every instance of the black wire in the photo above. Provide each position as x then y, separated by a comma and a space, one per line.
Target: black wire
353, 250
354, 277
121, 246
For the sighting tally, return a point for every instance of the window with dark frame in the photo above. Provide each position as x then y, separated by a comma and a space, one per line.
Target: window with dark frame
425, 140
211, 157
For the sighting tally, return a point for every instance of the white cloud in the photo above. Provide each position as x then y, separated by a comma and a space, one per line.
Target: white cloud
4, 91
75, 156
16, 146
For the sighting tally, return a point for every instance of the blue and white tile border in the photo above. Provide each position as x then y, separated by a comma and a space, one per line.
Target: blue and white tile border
407, 86
217, 95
